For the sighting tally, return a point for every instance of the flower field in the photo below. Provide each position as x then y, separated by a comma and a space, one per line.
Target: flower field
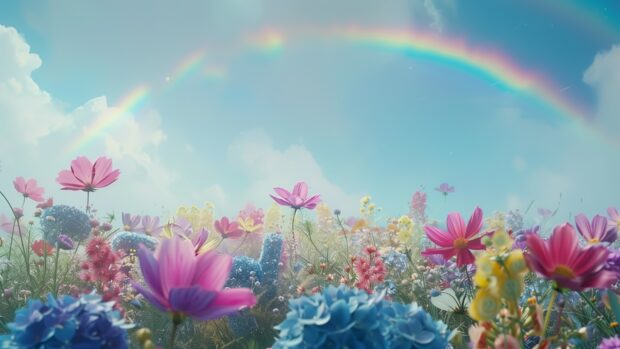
299, 274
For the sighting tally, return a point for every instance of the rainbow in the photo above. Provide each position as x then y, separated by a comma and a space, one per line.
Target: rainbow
129, 103
486, 63
269, 41
188, 65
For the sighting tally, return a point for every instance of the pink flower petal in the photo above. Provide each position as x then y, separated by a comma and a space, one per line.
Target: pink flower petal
455, 225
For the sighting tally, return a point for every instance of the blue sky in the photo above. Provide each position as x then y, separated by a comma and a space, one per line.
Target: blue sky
349, 120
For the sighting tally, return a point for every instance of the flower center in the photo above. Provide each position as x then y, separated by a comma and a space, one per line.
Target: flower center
594, 241
460, 243
564, 271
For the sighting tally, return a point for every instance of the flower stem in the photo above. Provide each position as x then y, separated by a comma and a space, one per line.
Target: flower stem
87, 202
176, 321
549, 308
55, 289
292, 249
597, 310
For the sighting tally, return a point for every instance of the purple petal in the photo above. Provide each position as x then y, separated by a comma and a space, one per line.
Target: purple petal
193, 301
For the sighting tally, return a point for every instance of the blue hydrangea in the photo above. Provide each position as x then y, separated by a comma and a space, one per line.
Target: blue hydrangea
350, 318
396, 261
67, 322
245, 272
62, 219
126, 240
270, 263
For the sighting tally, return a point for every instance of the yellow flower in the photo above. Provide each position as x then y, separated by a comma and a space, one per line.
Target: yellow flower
485, 306
405, 220
501, 240
365, 200
515, 263
248, 225
198, 217
273, 218
509, 287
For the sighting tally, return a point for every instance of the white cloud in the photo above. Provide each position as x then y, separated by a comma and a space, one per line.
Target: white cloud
604, 76
436, 17
36, 130
268, 167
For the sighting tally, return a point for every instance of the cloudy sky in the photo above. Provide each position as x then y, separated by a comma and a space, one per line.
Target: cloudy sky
239, 96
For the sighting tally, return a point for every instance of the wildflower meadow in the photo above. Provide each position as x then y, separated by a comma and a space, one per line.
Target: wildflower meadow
298, 274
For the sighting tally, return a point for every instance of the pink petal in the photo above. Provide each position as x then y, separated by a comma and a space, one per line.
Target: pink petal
476, 244
150, 270
445, 252
212, 270
464, 257
563, 243
475, 223
301, 190
82, 169
283, 193
438, 236
280, 201
613, 214
229, 301
583, 226
599, 226
160, 303
101, 168
108, 179
455, 225
539, 250
177, 263
20, 185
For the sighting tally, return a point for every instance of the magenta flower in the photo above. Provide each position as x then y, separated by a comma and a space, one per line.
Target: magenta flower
445, 188
228, 229
298, 199
29, 188
86, 176
614, 218
184, 284
562, 260
131, 223
150, 226
458, 240
598, 231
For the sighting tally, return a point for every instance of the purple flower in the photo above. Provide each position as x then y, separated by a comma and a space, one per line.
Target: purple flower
610, 343
445, 188
521, 236
613, 262
150, 225
296, 199
130, 223
65, 242
614, 218
597, 231
180, 282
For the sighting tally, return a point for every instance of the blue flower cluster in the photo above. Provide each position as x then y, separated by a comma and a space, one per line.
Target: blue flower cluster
270, 263
396, 261
126, 240
351, 318
262, 275
67, 322
67, 220
514, 220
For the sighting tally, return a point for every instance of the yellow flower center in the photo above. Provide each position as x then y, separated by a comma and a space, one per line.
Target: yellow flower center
460, 243
594, 241
564, 271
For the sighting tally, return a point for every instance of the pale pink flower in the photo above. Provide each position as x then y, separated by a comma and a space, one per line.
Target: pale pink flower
29, 188
87, 176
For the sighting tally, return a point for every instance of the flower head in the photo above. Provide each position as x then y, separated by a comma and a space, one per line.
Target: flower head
87, 176
126, 241
46, 204
131, 223
65, 242
610, 343
42, 248
228, 229
458, 240
296, 199
562, 260
445, 188
68, 322
61, 219
180, 282
597, 231
614, 218
151, 226
29, 188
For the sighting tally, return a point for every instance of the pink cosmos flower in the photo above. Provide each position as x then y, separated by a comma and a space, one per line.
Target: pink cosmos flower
151, 226
445, 188
297, 199
180, 282
614, 218
9, 226
29, 188
87, 176
562, 260
598, 231
458, 240
46, 204
228, 229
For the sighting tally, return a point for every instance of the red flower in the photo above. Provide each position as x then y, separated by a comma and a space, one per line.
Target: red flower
42, 248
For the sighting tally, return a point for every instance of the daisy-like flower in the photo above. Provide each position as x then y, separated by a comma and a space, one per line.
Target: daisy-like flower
298, 198
87, 176
29, 188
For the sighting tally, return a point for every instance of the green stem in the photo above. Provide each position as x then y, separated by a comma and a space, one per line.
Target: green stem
240, 244
292, 242
597, 310
55, 289
11, 243
176, 321
549, 308
87, 202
